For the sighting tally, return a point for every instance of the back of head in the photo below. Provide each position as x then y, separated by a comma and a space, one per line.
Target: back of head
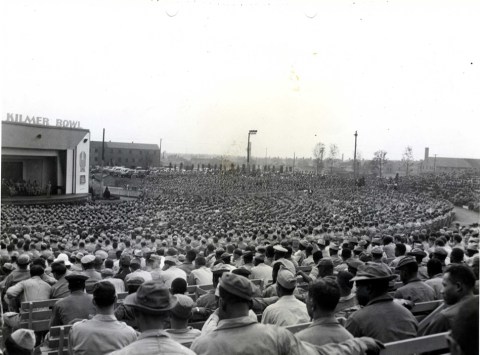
344, 280
191, 255
104, 294
178, 286
434, 267
456, 255
325, 293
36, 270
59, 268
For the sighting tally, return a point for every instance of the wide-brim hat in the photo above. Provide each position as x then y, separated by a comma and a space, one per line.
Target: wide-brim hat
374, 271
152, 297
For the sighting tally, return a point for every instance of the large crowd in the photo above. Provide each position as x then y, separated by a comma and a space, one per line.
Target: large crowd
277, 250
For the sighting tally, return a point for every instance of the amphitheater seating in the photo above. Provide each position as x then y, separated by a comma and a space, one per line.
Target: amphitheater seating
36, 315
435, 342
58, 341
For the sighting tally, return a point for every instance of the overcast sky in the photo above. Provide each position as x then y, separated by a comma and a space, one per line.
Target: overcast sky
200, 74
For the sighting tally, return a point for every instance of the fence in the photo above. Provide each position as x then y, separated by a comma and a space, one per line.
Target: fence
120, 191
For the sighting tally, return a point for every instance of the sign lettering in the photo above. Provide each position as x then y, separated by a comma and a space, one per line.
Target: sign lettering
41, 121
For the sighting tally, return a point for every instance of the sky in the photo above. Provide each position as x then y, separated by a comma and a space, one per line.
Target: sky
200, 74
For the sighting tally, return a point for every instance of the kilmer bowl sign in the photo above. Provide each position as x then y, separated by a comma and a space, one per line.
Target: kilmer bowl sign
41, 121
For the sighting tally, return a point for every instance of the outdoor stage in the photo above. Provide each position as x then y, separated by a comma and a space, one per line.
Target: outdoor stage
45, 200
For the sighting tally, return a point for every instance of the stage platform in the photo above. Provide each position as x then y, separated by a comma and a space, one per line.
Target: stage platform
45, 200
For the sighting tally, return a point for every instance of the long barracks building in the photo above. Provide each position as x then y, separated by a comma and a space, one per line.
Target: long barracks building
130, 155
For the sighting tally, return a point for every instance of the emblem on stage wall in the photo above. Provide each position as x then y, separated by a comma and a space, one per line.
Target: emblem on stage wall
82, 179
83, 161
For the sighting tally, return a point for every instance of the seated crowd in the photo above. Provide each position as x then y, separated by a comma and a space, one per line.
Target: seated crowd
174, 274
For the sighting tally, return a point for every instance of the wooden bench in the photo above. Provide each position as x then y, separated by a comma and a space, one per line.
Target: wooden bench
435, 342
423, 309
36, 315
58, 341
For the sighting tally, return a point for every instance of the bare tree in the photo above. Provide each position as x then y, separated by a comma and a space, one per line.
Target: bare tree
407, 159
378, 161
333, 155
318, 152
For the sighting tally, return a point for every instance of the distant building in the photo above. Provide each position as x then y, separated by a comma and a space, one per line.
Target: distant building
441, 164
129, 155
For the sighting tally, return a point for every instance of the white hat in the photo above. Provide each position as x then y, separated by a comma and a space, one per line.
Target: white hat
64, 258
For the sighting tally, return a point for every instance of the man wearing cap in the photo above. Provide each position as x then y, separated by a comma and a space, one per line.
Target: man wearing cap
287, 310
420, 255
103, 333
413, 288
237, 333
88, 264
179, 316
334, 255
380, 318
323, 297
170, 271
152, 304
281, 254
20, 273
77, 306
208, 301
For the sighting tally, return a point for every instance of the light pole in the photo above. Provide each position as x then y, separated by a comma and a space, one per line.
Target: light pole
250, 132
355, 158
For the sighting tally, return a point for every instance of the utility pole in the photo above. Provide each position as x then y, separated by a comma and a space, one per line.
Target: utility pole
103, 162
435, 164
160, 162
250, 132
355, 159
293, 168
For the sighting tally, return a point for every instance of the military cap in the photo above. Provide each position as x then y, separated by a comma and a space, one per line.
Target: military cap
23, 259
87, 259
286, 279
75, 276
219, 268
374, 271
417, 252
334, 246
237, 285
440, 251
405, 261
354, 263
377, 251
280, 248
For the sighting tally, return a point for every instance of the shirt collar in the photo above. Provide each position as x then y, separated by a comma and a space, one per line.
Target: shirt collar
235, 322
105, 317
383, 298
325, 321
153, 333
